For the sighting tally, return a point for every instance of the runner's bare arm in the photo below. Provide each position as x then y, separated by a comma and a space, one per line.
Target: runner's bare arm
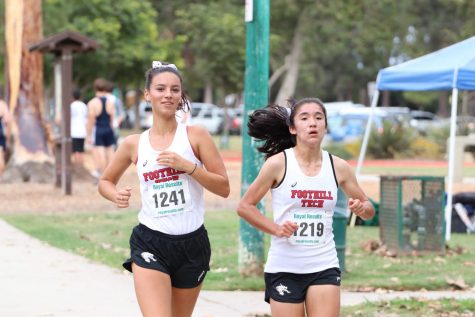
271, 173
121, 160
358, 203
213, 176
91, 119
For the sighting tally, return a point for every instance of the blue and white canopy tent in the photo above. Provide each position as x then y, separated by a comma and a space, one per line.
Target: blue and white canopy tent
451, 68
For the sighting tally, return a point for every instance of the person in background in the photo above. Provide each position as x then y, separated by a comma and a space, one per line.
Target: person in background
302, 274
4, 133
119, 114
100, 131
78, 127
170, 249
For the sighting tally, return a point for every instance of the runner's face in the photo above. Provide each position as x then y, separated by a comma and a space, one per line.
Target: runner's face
164, 93
309, 123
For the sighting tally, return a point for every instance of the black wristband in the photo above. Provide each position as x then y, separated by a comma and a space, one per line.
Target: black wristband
194, 169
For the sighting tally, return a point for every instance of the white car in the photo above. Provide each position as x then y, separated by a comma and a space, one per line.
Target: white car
208, 115
145, 115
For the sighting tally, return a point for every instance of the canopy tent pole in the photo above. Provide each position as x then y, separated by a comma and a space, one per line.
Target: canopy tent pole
374, 102
453, 126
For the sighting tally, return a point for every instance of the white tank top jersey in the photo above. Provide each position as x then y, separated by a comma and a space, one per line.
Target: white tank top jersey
308, 201
78, 119
172, 201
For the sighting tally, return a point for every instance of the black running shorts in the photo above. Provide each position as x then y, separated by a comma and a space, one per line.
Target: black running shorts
184, 257
292, 288
78, 145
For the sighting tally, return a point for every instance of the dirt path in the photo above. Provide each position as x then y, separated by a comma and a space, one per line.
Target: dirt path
45, 198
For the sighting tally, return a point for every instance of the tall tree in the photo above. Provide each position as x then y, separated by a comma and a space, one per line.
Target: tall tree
25, 82
126, 31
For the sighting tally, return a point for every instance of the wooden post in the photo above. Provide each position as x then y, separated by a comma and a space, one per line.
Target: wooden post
63, 45
66, 144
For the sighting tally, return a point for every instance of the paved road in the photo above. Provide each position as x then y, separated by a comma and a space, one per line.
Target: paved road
37, 280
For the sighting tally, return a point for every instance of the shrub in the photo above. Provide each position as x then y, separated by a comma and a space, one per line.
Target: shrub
426, 148
339, 149
393, 141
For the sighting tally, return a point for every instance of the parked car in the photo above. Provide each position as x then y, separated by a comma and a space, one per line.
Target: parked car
236, 121
424, 120
208, 115
145, 115
349, 124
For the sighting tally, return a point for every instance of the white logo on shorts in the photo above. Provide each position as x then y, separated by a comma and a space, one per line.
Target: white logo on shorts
338, 278
147, 256
201, 275
282, 289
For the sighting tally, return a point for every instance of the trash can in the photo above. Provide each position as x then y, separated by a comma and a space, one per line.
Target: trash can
339, 227
411, 213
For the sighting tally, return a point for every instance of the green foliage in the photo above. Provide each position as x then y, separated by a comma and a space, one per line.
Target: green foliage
412, 307
392, 142
340, 150
126, 31
215, 38
439, 137
423, 100
425, 148
345, 43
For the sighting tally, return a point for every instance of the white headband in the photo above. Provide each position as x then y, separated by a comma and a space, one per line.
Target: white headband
158, 64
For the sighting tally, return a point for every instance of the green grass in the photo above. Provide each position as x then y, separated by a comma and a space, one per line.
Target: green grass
411, 272
412, 308
104, 238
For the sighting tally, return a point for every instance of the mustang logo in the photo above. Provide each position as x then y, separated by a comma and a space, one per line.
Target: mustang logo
147, 256
282, 289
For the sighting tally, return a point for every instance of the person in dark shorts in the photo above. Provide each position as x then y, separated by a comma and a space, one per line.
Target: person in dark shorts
4, 132
78, 126
302, 274
100, 132
169, 248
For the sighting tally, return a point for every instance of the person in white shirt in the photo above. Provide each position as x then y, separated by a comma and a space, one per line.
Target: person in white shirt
170, 249
302, 274
78, 127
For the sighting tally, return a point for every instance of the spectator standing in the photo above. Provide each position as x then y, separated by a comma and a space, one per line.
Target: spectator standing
4, 133
78, 127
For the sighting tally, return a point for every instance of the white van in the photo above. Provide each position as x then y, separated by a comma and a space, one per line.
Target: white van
208, 115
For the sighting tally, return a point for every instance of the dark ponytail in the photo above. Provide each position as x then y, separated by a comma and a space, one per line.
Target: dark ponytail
271, 125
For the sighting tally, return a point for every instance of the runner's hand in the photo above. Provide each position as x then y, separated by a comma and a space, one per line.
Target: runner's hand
286, 229
122, 197
171, 159
356, 206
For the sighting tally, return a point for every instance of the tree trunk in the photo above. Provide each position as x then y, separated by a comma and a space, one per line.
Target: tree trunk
208, 95
289, 84
31, 158
443, 104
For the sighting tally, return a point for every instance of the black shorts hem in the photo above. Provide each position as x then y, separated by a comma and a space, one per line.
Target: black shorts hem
128, 266
290, 301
